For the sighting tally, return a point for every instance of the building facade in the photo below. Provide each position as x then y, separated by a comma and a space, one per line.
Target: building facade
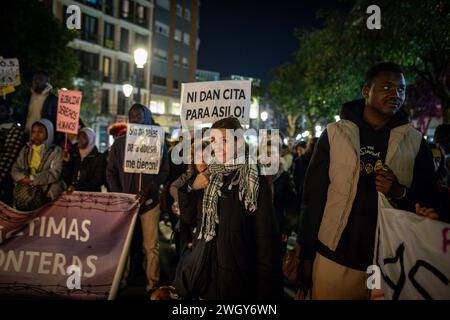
174, 56
110, 32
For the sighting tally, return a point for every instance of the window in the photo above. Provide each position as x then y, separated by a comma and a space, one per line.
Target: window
89, 28
186, 38
121, 103
124, 40
109, 7
108, 40
89, 64
176, 108
176, 84
164, 4
177, 35
185, 62
162, 28
94, 3
160, 54
179, 10
106, 69
126, 10
105, 102
141, 41
159, 81
141, 15
157, 107
187, 14
123, 71
176, 59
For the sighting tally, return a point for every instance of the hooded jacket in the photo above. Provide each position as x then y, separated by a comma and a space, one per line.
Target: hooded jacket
50, 168
355, 234
88, 174
119, 181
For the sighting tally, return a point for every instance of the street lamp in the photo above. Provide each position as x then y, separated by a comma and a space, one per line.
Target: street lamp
140, 59
264, 116
127, 91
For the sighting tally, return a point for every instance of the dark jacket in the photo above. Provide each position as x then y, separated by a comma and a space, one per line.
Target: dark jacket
356, 246
248, 247
190, 204
11, 142
88, 174
119, 181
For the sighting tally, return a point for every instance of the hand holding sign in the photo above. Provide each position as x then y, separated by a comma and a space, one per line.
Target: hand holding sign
143, 149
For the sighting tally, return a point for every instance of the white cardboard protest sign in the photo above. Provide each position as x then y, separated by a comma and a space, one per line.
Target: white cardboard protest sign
413, 254
9, 72
206, 102
143, 149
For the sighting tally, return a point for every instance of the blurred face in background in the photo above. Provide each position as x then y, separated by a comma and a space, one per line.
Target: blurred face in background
40, 82
38, 134
136, 116
83, 140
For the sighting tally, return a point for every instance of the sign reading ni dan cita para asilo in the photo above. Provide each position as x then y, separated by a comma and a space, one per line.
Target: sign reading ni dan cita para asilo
203, 103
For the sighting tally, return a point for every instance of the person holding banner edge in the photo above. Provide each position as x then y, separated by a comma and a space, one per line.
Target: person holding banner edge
85, 168
38, 168
119, 181
372, 152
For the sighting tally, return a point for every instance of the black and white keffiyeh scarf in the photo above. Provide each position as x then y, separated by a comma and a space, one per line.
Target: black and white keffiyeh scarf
245, 175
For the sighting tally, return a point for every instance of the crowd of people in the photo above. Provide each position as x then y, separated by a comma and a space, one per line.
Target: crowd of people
231, 222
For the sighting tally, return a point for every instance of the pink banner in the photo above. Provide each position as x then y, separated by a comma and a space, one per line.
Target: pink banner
69, 102
74, 247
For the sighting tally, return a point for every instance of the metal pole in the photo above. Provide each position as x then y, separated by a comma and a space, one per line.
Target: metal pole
138, 84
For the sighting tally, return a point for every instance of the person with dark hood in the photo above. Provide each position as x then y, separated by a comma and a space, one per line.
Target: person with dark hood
119, 181
12, 139
371, 159
37, 171
85, 168
237, 253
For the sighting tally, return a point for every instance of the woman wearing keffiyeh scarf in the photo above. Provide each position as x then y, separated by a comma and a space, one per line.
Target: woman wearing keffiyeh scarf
237, 253
244, 175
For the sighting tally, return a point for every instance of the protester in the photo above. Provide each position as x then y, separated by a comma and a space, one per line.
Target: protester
281, 186
286, 159
117, 129
85, 168
167, 200
299, 149
300, 166
188, 202
372, 154
119, 181
442, 153
12, 139
37, 170
238, 257
40, 102
442, 141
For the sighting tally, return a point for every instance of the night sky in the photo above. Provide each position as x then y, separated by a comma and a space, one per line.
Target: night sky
251, 37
